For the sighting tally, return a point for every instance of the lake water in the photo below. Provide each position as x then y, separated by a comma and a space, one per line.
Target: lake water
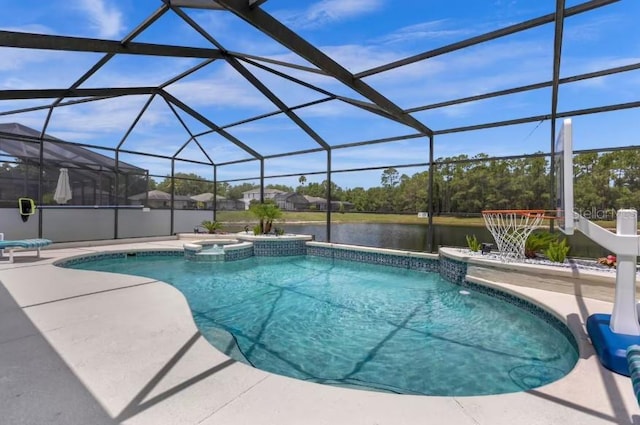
413, 237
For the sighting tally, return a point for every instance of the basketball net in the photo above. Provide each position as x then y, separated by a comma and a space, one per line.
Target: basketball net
511, 228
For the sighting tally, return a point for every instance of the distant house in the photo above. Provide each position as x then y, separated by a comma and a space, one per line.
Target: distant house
316, 203
205, 201
160, 199
320, 204
254, 195
291, 201
229, 205
86, 195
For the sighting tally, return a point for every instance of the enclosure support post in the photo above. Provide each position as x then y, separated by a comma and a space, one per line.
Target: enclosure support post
215, 191
430, 198
173, 188
555, 82
261, 180
116, 212
41, 170
328, 194
552, 175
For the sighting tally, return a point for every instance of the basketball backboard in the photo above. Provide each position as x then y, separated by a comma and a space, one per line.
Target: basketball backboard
564, 178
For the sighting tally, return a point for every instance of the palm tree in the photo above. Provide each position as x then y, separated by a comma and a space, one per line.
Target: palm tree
266, 213
211, 226
301, 189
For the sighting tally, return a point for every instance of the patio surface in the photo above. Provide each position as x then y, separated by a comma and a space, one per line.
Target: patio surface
82, 347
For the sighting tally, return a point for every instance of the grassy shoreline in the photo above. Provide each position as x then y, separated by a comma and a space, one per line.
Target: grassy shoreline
245, 217
336, 217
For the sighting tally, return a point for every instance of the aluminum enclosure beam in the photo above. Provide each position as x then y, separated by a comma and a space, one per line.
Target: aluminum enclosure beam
67, 103
369, 107
532, 23
209, 124
58, 93
196, 4
279, 32
106, 58
79, 44
528, 87
206, 4
557, 56
277, 102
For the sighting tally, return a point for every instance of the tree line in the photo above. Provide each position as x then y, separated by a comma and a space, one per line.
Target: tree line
463, 184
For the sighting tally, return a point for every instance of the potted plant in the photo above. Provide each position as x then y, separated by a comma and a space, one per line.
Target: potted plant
609, 261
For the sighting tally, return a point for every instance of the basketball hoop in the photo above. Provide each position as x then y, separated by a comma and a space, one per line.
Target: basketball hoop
511, 228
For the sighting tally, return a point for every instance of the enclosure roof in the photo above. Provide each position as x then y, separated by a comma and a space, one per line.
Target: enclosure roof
23, 142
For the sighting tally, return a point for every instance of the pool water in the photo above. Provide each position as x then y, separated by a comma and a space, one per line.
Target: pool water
361, 325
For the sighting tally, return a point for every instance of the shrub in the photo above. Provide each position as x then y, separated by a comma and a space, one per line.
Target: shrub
211, 226
538, 242
557, 251
473, 244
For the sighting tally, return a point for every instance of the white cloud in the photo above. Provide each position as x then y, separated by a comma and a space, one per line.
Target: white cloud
223, 151
14, 59
358, 58
328, 11
103, 17
593, 29
221, 87
425, 30
41, 69
573, 66
32, 28
138, 70
265, 127
401, 152
105, 122
464, 73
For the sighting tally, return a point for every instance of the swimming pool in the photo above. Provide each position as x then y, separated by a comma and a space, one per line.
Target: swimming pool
361, 325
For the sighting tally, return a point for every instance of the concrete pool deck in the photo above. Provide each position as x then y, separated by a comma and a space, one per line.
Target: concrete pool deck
83, 347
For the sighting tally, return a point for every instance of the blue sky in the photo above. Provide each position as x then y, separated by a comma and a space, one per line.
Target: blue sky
358, 34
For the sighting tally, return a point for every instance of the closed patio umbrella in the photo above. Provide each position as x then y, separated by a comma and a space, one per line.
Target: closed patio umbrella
63, 189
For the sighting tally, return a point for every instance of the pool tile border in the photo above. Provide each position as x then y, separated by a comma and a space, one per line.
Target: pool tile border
383, 257
279, 248
238, 254
532, 308
454, 271
79, 259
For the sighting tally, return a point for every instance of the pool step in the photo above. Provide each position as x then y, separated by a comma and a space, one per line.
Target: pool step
210, 255
195, 252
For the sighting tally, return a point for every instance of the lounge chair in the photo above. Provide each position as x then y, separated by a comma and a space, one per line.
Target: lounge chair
22, 244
